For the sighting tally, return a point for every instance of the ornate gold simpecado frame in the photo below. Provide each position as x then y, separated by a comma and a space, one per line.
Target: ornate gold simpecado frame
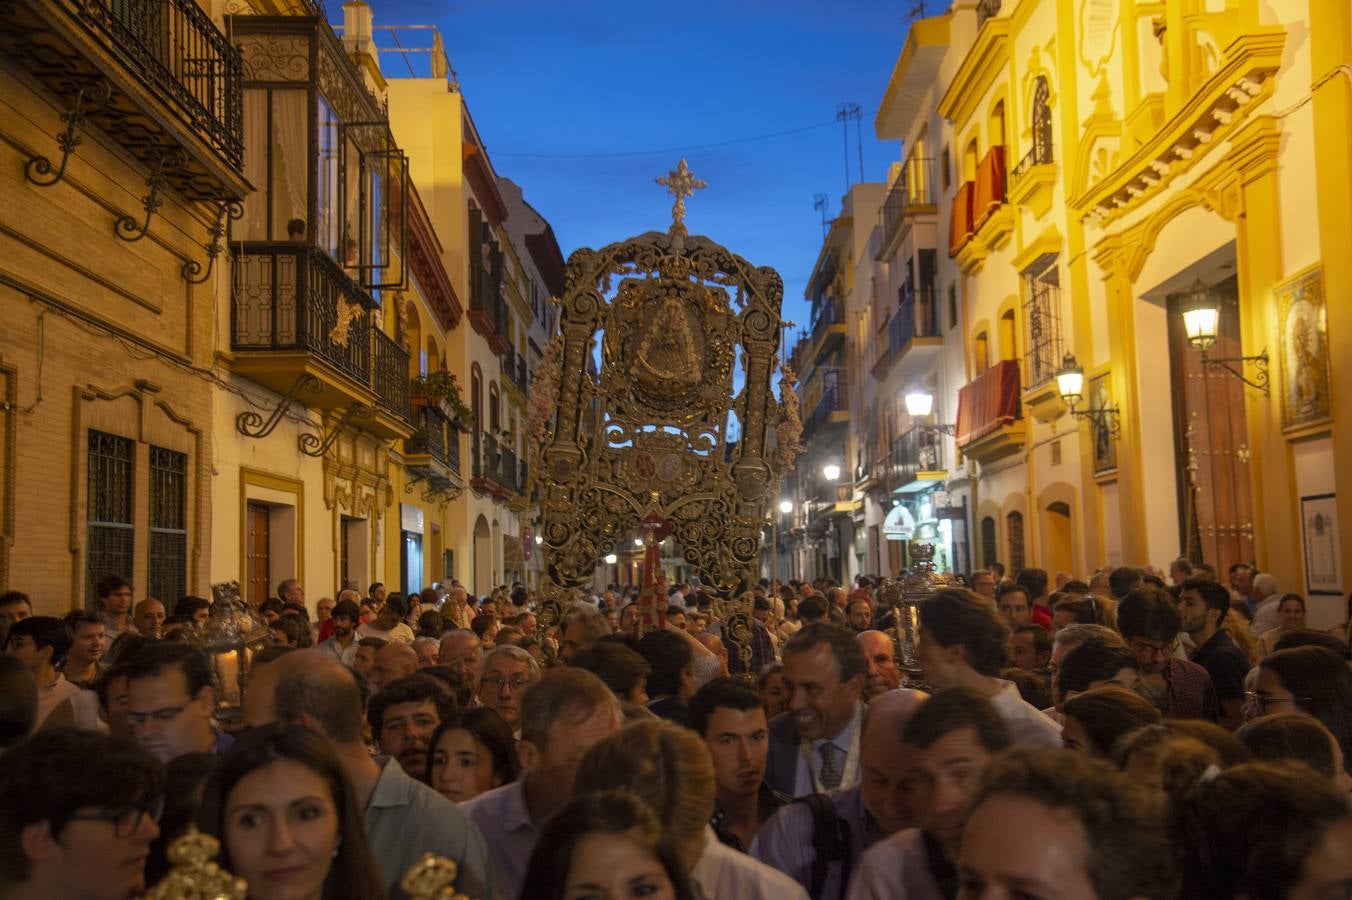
644, 437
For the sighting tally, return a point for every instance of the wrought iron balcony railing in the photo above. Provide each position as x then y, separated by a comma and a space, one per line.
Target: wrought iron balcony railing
1040, 154
174, 80
914, 451
291, 297
911, 189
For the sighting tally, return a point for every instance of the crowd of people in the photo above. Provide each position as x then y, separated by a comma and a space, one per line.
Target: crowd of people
1131, 734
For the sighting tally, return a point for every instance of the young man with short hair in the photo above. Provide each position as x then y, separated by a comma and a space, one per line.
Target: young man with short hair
1149, 622
41, 643
949, 741
389, 622
14, 606
403, 714
343, 645
78, 813
671, 682
114, 593
1030, 649
1015, 605
961, 643
859, 614
171, 697
1034, 582
88, 642
1202, 607
727, 714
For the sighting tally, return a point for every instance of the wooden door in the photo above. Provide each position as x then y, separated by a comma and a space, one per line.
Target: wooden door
1211, 443
258, 562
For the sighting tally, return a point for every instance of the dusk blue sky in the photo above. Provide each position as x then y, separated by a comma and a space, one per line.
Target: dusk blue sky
559, 78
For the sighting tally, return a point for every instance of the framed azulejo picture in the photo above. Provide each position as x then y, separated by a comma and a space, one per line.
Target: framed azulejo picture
1304, 352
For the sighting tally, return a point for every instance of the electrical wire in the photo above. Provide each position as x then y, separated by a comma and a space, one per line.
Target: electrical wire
656, 152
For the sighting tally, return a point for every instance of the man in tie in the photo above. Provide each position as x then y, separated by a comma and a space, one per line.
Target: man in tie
814, 746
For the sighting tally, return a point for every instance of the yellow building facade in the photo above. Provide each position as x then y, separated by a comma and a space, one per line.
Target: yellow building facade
1102, 167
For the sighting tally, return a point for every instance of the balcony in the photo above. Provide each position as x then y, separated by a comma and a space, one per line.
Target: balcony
174, 82
496, 469
913, 341
294, 312
831, 411
990, 418
514, 371
960, 228
435, 444
1032, 181
828, 330
487, 308
911, 194
917, 460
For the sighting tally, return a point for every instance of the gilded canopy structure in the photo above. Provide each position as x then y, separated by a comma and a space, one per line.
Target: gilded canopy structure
654, 411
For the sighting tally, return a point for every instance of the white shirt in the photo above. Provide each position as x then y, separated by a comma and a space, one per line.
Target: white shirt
722, 873
50, 697
847, 754
1027, 724
400, 632
895, 868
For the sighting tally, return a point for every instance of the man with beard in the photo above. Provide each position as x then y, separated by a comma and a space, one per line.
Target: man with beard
343, 645
883, 674
816, 843
728, 715
814, 747
403, 715
1149, 622
949, 742
1202, 606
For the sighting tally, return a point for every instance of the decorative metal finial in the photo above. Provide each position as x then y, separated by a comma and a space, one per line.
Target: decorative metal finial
431, 878
680, 183
194, 875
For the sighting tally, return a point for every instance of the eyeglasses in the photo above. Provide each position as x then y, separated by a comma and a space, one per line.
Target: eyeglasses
1261, 702
1142, 648
496, 682
127, 820
168, 714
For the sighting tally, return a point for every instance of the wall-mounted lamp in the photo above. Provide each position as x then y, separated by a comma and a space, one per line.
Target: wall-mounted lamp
611, 559
1070, 385
920, 404
831, 472
1201, 323
786, 506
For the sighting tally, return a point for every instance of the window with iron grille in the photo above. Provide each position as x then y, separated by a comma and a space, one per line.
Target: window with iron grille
1014, 525
989, 553
1042, 312
111, 529
167, 573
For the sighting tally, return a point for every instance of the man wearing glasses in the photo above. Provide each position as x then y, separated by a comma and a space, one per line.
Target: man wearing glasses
504, 674
171, 698
79, 812
1150, 623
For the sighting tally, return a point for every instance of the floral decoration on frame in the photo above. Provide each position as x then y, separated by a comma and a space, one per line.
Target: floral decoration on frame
1303, 353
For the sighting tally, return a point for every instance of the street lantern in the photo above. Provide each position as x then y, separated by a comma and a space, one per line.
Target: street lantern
1201, 316
786, 506
919, 404
1070, 381
831, 472
611, 559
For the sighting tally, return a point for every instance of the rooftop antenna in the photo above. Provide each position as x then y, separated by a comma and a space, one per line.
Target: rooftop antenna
819, 203
844, 113
917, 11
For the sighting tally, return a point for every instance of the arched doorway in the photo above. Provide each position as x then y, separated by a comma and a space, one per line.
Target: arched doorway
483, 557
1059, 555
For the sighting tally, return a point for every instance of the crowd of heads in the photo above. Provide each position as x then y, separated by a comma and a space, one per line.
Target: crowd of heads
1151, 736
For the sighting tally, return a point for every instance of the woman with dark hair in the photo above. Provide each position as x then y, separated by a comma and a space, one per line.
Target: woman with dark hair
472, 751
1309, 680
1097, 718
1265, 831
604, 844
429, 622
1290, 615
287, 819
770, 683
1292, 737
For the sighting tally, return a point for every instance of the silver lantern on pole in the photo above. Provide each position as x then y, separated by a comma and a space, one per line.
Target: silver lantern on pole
233, 633
904, 596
